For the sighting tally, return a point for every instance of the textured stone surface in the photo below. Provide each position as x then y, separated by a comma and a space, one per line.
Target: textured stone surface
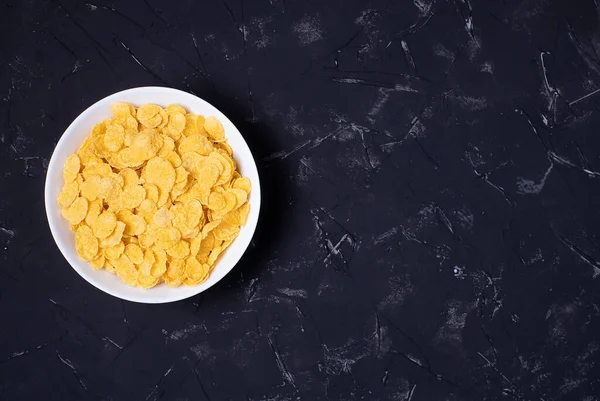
431, 190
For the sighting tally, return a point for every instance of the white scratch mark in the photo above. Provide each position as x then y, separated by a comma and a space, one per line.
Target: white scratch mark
308, 30
70, 365
292, 292
158, 384
529, 187
389, 233
313, 142
334, 250
408, 54
551, 92
423, 6
412, 391
181, 334
284, 154
382, 98
8, 232
112, 342
281, 364
584, 97
65, 361
470, 102
487, 67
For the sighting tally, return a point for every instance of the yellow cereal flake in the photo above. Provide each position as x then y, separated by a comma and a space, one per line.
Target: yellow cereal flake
147, 262
216, 201
79, 180
109, 188
230, 202
181, 174
164, 119
190, 233
120, 109
130, 177
109, 267
168, 146
90, 188
76, 211
225, 146
209, 227
243, 211
134, 253
146, 113
196, 143
102, 169
180, 250
68, 194
195, 271
175, 108
98, 263
226, 231
86, 244
161, 173
94, 209
72, 166
133, 195
126, 270
200, 125
104, 225
175, 273
175, 125
114, 137
214, 128
162, 217
154, 195
173, 158
208, 175
167, 237
151, 192
146, 282
242, 183
114, 251
241, 196
159, 267
114, 238
146, 209
134, 224
190, 124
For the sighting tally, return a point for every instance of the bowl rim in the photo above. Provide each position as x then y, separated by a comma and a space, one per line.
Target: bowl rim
50, 203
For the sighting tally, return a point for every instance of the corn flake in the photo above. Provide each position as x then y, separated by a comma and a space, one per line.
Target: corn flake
114, 238
76, 211
72, 167
114, 251
86, 244
126, 270
154, 195
104, 225
134, 253
68, 194
214, 128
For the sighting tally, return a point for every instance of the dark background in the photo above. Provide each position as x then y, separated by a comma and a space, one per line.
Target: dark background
431, 189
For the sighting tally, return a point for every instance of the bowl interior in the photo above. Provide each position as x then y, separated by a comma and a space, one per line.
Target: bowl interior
72, 139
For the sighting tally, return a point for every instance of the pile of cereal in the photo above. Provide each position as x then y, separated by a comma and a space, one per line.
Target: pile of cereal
153, 195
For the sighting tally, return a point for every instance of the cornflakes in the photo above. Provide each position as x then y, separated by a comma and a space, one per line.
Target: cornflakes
104, 225
154, 195
72, 166
86, 244
68, 194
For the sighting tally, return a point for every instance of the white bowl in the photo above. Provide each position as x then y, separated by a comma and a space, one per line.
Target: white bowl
72, 139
